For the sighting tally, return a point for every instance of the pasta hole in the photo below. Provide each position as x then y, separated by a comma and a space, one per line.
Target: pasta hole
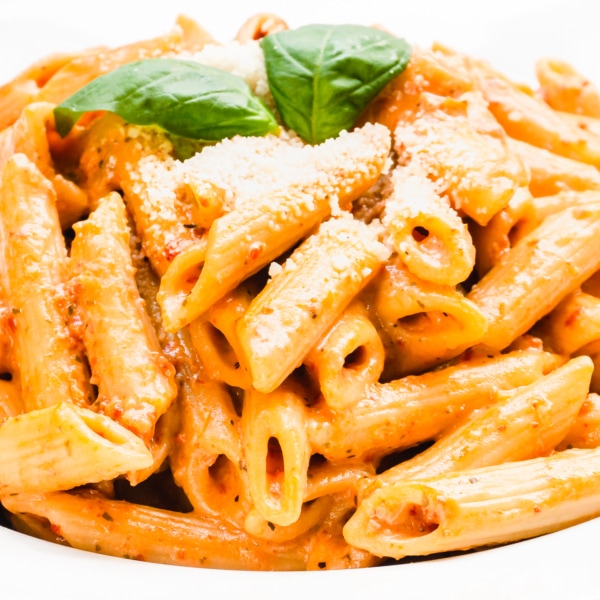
518, 230
69, 236
413, 520
237, 399
221, 344
317, 460
158, 491
189, 277
420, 234
6, 376
422, 321
224, 477
275, 464
356, 359
395, 458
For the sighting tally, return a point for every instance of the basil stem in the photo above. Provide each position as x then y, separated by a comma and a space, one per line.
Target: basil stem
184, 98
323, 76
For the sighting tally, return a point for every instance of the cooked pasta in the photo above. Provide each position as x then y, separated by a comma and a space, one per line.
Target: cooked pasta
230, 340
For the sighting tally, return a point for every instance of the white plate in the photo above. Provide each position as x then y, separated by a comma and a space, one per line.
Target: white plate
511, 34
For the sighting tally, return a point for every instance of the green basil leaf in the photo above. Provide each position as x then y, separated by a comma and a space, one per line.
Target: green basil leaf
323, 76
184, 98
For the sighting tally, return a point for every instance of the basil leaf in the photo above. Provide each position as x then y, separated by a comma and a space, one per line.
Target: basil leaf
185, 98
323, 76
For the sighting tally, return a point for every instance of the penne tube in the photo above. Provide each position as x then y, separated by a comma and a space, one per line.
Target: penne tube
537, 273
29, 136
527, 423
201, 443
593, 351
243, 241
328, 550
64, 446
35, 273
215, 337
552, 173
116, 156
463, 149
529, 119
277, 453
23, 89
259, 26
209, 201
479, 507
330, 479
405, 412
425, 324
162, 443
160, 446
349, 357
194, 35
574, 323
208, 461
298, 305
8, 366
585, 122
138, 532
429, 236
564, 88
546, 206
428, 70
504, 230
585, 429
329, 487
136, 383
199, 435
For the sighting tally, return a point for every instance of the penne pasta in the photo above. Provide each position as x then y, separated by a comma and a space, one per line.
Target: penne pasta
349, 357
537, 123
425, 324
565, 89
417, 408
216, 338
445, 513
477, 170
545, 266
208, 462
11, 404
224, 344
243, 241
297, 306
573, 324
136, 385
585, 429
35, 273
259, 26
524, 424
432, 240
277, 453
552, 173
504, 230
134, 531
74, 444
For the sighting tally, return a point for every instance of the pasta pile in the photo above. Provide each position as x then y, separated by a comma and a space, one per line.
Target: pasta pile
275, 355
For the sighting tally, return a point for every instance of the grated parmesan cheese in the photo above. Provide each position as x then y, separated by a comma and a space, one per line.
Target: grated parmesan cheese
246, 60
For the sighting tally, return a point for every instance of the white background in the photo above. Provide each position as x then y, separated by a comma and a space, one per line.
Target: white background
512, 33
